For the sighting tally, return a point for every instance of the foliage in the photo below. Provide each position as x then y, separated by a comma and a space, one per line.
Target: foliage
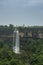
31, 53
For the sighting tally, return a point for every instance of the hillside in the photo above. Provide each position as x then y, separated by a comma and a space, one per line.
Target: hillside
31, 53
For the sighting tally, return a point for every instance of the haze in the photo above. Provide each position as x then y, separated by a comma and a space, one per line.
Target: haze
19, 12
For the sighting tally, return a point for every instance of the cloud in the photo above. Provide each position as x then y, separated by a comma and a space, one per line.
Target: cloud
21, 3
32, 2
3, 3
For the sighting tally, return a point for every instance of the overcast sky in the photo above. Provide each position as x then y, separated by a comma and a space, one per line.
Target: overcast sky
19, 12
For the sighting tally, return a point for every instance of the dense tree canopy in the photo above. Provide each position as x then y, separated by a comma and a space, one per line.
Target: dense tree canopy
31, 50
31, 53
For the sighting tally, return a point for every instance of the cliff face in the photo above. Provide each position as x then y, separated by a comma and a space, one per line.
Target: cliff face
21, 34
6, 33
32, 34
40, 35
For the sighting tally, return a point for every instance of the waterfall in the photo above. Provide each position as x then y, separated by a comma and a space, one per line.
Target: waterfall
16, 47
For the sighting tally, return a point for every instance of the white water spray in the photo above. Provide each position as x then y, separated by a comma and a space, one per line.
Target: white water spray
16, 48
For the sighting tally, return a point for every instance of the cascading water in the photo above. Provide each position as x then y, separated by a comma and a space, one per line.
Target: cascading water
16, 47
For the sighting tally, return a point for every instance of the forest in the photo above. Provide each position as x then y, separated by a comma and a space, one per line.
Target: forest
6, 32
31, 50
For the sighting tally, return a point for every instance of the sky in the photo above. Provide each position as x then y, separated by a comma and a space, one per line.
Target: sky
19, 12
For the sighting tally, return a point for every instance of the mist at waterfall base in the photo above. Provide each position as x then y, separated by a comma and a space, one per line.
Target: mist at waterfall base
16, 47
